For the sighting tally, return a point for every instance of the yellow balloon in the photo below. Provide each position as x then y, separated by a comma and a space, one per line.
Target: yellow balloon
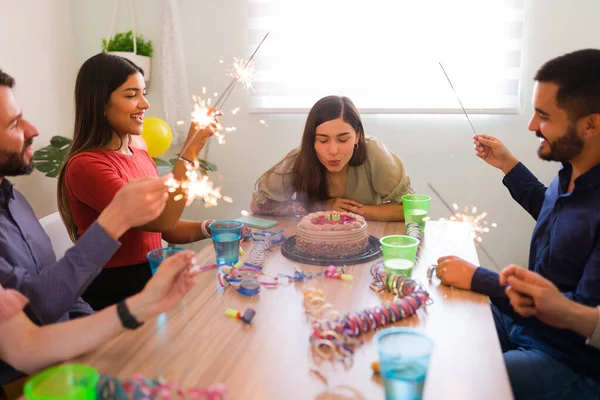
157, 134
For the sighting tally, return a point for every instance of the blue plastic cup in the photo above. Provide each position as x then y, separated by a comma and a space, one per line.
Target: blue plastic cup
156, 257
403, 360
226, 236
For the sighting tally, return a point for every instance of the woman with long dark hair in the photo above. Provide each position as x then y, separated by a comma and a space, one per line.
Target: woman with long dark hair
110, 104
337, 167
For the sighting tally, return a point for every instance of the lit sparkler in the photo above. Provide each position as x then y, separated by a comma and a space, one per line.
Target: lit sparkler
204, 115
477, 222
196, 186
243, 72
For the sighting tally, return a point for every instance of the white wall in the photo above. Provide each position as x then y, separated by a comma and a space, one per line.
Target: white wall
36, 48
215, 29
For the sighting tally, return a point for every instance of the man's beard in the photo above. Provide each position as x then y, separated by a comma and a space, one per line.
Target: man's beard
564, 148
15, 163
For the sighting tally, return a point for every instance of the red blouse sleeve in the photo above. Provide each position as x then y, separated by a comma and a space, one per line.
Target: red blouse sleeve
93, 180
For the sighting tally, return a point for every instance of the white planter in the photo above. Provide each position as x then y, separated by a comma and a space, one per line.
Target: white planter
141, 61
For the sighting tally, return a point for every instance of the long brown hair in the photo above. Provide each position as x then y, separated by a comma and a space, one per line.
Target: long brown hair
98, 77
310, 181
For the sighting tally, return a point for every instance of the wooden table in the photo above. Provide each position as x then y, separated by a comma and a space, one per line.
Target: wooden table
197, 345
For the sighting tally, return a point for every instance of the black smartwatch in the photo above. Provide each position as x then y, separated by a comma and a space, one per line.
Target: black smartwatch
127, 320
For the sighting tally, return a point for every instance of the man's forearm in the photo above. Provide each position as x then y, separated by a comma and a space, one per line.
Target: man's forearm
111, 220
54, 291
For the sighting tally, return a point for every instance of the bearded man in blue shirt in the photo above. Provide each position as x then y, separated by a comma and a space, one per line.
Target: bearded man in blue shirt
543, 361
27, 261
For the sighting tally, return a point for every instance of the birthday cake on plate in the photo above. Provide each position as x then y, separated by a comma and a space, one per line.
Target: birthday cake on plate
332, 234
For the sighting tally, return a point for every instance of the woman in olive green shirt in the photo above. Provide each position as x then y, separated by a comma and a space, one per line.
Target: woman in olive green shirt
337, 167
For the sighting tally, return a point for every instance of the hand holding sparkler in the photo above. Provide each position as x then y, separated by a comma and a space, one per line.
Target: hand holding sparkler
204, 125
494, 152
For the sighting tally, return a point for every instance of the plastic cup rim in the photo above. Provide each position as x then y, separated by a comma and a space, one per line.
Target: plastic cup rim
240, 225
399, 246
151, 257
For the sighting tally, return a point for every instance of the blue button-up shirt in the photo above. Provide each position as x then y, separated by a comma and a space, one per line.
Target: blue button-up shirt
28, 264
565, 249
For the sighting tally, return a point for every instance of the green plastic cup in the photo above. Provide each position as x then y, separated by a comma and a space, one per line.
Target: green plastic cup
416, 208
68, 381
399, 253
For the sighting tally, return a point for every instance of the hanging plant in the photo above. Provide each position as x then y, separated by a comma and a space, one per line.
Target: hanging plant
123, 42
137, 51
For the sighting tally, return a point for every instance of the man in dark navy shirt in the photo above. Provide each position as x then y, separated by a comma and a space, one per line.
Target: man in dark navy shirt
542, 361
27, 262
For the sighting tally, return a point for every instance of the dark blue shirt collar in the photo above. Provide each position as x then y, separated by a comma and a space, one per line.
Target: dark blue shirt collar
6, 192
588, 180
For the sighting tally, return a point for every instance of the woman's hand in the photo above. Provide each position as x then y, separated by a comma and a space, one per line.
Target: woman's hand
201, 131
341, 204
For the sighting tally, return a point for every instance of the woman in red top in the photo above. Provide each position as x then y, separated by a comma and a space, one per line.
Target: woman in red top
110, 104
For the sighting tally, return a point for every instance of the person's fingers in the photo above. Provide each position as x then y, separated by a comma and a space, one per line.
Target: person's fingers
485, 136
439, 271
517, 299
506, 272
177, 263
488, 142
526, 275
347, 208
526, 311
522, 287
446, 258
351, 202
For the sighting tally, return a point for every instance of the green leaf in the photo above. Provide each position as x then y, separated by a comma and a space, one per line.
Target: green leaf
49, 159
204, 165
207, 166
161, 163
60, 141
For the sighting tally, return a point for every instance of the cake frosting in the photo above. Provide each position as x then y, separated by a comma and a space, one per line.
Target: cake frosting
332, 234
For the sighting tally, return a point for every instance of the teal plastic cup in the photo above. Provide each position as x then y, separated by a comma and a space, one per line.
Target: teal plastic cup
416, 208
65, 382
226, 236
399, 253
156, 257
403, 361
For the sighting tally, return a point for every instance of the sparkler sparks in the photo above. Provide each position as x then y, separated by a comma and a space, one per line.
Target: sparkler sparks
478, 222
243, 72
197, 186
456, 215
204, 116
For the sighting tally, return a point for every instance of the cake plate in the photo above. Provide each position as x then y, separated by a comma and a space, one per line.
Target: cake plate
372, 252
